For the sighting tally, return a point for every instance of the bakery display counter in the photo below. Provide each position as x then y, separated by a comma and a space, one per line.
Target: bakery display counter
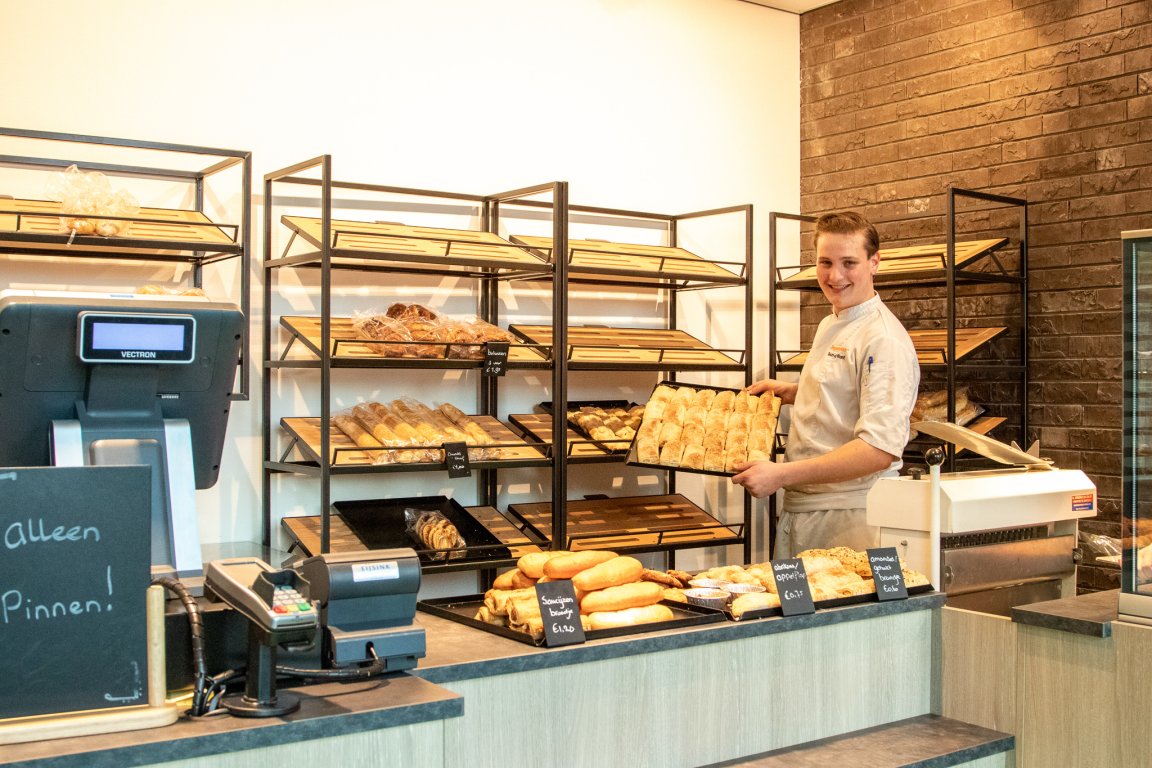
154, 234
658, 266
350, 350
384, 246
445, 712
507, 449
599, 348
914, 265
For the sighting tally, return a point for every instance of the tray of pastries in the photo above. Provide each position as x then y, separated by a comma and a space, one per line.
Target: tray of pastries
409, 332
408, 432
615, 598
698, 428
837, 577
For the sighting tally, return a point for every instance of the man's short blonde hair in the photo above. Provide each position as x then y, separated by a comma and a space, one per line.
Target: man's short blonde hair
848, 223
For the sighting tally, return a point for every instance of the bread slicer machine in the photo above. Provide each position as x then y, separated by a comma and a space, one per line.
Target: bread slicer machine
1006, 537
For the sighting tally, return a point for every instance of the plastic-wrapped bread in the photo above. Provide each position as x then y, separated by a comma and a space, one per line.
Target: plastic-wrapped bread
357, 434
407, 435
376, 327
367, 418
475, 434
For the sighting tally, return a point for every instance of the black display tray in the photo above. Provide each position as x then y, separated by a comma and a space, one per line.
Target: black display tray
837, 602
617, 446
462, 610
380, 524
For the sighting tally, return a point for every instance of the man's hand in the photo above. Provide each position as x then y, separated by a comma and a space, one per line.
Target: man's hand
784, 390
760, 478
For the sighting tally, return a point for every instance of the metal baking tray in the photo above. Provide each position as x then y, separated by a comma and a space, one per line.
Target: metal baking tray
836, 602
462, 610
380, 524
631, 456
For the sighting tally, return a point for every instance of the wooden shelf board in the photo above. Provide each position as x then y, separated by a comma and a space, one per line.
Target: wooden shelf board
346, 344
630, 346
930, 345
900, 263
656, 261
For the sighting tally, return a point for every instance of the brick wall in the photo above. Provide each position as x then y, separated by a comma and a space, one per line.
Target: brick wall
1049, 101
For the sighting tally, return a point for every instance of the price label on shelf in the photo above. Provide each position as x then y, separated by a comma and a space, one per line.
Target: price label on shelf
886, 573
560, 612
456, 457
495, 358
792, 587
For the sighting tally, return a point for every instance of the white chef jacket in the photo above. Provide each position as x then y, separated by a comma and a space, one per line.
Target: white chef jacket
859, 380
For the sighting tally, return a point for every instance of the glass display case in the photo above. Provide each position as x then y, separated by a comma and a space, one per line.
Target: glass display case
1136, 582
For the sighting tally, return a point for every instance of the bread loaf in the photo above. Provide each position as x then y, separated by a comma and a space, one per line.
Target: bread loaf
754, 601
618, 598
568, 565
609, 573
630, 617
532, 564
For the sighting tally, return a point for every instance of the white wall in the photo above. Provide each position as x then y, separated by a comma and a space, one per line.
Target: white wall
657, 105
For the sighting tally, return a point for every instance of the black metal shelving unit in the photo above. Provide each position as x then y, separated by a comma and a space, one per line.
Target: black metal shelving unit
934, 267
326, 245
29, 225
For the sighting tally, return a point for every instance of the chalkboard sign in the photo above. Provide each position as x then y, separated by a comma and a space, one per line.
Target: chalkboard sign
792, 587
456, 457
495, 358
886, 573
75, 565
561, 613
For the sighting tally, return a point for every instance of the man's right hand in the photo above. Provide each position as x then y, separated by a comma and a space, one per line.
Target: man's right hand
784, 390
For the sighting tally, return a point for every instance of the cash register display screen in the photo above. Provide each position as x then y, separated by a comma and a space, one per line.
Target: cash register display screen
136, 338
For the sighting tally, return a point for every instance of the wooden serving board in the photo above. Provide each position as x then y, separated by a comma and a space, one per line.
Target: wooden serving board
931, 345
404, 243
598, 257
348, 454
668, 348
306, 532
346, 344
539, 427
918, 260
629, 523
42, 217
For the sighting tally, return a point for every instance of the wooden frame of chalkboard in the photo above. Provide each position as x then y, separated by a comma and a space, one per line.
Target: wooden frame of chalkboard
74, 573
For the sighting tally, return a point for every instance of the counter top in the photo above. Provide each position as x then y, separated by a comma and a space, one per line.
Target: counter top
1090, 614
455, 652
459, 652
328, 709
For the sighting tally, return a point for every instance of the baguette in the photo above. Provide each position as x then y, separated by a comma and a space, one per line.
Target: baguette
568, 565
609, 573
532, 564
634, 595
630, 616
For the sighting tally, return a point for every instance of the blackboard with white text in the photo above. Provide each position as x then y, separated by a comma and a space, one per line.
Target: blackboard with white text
75, 564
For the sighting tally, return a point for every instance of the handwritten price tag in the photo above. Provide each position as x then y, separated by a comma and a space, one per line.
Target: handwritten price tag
792, 586
886, 572
495, 358
456, 457
560, 612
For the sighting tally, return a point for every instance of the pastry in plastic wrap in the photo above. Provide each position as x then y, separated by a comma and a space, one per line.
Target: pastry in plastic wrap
436, 532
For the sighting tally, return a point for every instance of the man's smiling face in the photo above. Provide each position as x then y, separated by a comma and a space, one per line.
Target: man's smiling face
844, 270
